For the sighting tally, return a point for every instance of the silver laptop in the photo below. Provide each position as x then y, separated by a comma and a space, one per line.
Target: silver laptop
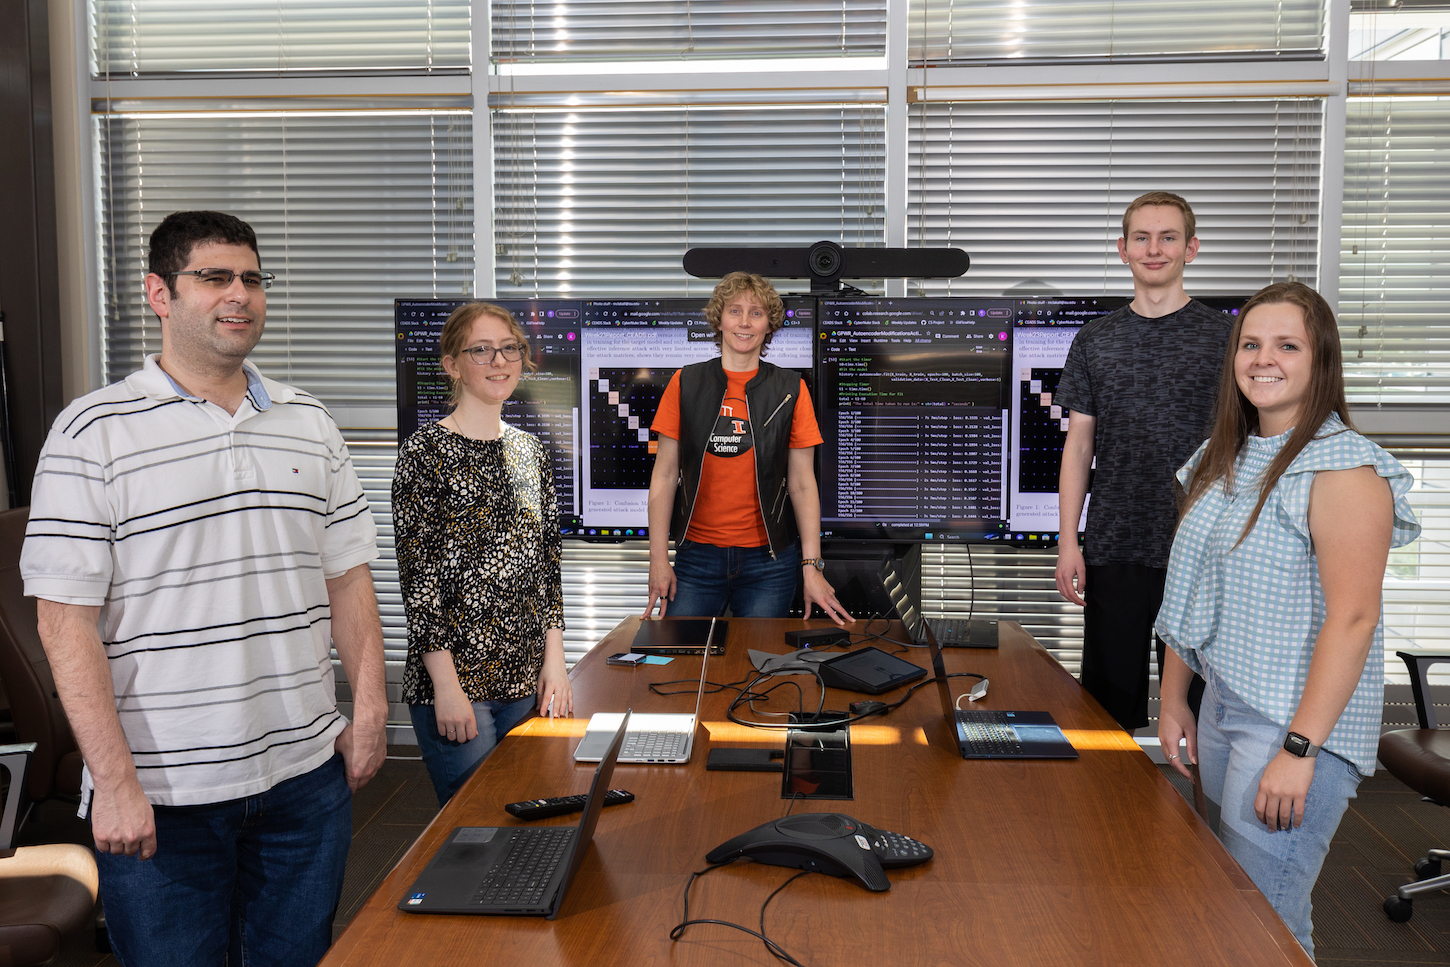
663, 738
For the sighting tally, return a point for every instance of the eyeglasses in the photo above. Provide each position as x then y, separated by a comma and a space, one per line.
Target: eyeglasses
221, 278
483, 355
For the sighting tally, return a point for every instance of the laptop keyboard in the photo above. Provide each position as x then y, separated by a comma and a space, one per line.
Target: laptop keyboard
522, 875
987, 733
653, 745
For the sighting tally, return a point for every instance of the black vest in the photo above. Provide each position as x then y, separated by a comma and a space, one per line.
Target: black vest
770, 399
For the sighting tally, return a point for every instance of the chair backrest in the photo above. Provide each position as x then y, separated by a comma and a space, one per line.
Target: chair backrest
34, 704
1419, 666
15, 759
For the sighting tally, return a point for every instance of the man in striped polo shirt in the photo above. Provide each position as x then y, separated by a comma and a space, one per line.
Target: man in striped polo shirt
198, 543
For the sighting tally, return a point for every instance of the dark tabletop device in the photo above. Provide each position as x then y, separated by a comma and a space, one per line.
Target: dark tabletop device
831, 843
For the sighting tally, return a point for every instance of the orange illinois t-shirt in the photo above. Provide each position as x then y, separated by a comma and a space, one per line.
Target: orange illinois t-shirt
727, 508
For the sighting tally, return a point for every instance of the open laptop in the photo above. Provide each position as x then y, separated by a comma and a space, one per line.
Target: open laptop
954, 632
653, 738
992, 734
521, 871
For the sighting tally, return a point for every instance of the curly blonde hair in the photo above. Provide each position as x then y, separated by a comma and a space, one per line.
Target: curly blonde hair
758, 288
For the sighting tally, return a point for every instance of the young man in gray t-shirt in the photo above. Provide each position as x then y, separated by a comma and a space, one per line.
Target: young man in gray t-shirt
1139, 386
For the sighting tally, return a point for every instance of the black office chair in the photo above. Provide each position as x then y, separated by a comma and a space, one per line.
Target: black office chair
1420, 758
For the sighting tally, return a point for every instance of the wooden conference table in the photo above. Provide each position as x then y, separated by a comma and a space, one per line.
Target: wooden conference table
1090, 861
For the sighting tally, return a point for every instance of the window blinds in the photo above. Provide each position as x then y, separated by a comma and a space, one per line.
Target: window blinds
131, 37
351, 208
595, 200
1034, 191
966, 31
1394, 290
635, 30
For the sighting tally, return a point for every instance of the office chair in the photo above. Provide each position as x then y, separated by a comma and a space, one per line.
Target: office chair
1420, 758
46, 892
55, 769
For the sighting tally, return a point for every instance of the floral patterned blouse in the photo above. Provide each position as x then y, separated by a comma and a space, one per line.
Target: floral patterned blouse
476, 524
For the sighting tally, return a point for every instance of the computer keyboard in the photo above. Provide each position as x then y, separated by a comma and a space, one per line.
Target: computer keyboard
653, 745
988, 733
964, 632
523, 874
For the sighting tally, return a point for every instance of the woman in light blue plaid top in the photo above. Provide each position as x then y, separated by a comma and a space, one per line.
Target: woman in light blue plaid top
1273, 595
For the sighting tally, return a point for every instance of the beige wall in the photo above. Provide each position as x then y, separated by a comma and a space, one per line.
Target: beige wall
71, 193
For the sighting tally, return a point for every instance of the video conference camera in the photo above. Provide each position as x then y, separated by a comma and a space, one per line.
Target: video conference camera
826, 263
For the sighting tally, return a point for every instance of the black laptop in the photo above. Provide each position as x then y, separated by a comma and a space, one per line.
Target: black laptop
515, 871
680, 636
992, 734
954, 632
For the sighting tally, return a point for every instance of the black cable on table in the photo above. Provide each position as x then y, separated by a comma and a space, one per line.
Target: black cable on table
776, 949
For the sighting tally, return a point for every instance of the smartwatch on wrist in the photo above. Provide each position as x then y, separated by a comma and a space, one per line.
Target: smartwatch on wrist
816, 562
1298, 745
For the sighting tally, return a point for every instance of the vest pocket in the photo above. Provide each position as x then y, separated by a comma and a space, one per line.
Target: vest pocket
778, 507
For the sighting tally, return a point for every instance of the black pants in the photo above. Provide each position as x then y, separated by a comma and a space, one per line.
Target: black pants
1122, 603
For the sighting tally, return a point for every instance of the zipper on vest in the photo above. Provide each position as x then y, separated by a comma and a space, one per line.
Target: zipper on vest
690, 514
759, 497
788, 398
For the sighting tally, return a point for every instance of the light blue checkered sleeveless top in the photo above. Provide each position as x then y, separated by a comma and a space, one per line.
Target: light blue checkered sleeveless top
1252, 613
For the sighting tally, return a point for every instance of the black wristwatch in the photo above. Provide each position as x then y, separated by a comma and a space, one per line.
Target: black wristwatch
816, 562
1296, 744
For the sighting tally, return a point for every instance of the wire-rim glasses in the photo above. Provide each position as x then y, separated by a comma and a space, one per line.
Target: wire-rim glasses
222, 278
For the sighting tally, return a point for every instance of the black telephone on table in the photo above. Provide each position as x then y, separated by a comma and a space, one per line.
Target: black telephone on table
831, 843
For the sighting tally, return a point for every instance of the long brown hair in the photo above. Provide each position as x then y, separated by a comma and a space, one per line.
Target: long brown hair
1237, 417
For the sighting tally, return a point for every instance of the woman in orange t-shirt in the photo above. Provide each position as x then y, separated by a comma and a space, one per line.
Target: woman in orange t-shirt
734, 479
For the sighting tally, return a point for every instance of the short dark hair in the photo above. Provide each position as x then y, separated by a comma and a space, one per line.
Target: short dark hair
180, 232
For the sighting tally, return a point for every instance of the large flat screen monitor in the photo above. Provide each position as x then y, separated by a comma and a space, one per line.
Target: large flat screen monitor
914, 404
546, 402
603, 364
630, 349
1044, 329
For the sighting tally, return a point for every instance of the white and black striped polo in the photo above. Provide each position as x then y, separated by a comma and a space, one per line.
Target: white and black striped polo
207, 539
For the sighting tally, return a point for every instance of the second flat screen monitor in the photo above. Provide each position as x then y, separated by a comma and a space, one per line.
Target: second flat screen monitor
915, 402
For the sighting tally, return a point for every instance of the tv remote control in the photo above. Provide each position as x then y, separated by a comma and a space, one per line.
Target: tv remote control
559, 805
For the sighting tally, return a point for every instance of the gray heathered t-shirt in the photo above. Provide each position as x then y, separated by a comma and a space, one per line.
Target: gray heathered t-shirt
1152, 385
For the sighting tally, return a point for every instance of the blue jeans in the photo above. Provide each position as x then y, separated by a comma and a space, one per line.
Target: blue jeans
1235, 744
708, 579
254, 880
451, 763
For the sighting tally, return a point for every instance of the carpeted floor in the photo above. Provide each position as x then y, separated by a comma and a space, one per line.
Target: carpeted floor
1386, 829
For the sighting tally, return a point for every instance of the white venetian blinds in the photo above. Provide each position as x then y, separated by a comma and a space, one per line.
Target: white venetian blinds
352, 209
1034, 191
147, 37
526, 31
1394, 296
967, 31
602, 200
